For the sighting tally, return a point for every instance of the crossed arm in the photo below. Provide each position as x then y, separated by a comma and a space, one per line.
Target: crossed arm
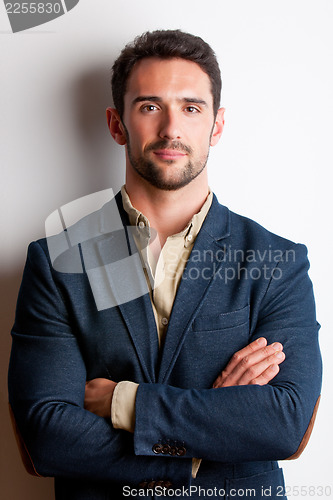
48, 374
257, 363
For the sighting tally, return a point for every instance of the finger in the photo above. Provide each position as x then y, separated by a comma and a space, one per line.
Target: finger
243, 360
246, 351
218, 382
249, 367
251, 359
267, 375
255, 371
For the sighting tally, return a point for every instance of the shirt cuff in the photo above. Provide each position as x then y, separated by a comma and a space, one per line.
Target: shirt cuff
195, 466
123, 406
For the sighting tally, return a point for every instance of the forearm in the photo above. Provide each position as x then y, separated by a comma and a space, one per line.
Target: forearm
256, 417
243, 423
62, 438
47, 377
239, 423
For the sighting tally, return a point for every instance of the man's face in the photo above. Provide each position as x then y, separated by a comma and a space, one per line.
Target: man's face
168, 121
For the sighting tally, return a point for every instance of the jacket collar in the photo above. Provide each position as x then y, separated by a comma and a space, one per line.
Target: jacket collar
217, 222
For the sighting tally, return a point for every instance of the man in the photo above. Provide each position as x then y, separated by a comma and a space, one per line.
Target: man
154, 367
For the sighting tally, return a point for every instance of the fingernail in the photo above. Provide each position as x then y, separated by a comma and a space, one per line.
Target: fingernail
279, 354
277, 346
261, 341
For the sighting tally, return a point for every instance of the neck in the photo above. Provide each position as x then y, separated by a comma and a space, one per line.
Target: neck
167, 211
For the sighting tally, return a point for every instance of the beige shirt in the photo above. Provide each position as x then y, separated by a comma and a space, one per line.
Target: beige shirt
163, 278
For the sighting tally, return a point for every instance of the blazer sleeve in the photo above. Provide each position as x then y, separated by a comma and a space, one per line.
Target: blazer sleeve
46, 380
247, 423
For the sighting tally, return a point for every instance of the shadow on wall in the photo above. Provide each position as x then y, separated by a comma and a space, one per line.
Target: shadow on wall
16, 483
89, 96
102, 161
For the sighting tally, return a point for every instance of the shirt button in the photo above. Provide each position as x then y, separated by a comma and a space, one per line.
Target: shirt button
190, 237
165, 321
141, 224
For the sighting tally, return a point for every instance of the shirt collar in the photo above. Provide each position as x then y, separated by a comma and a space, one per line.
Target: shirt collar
189, 233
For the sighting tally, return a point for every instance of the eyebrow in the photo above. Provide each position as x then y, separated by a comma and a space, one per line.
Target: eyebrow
154, 98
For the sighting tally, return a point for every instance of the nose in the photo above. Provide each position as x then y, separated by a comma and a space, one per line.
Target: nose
170, 125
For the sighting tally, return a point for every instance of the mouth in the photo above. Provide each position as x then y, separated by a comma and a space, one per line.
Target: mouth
169, 154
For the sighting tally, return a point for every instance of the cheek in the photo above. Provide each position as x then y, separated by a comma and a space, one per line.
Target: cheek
200, 132
201, 141
141, 133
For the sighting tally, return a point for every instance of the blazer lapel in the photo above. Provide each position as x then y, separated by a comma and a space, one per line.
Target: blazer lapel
139, 318
197, 278
129, 292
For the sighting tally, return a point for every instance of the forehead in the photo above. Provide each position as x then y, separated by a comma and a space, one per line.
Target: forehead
168, 78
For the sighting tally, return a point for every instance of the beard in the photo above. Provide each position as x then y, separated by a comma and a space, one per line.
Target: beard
160, 177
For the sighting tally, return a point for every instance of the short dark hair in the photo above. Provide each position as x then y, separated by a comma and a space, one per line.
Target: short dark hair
165, 44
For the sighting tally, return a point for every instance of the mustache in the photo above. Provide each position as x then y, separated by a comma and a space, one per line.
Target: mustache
173, 145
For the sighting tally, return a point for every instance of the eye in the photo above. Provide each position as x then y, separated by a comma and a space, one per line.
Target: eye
148, 108
192, 109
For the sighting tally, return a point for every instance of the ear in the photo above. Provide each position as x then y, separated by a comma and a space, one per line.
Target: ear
218, 127
116, 126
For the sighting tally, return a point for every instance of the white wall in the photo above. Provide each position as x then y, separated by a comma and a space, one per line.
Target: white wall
273, 163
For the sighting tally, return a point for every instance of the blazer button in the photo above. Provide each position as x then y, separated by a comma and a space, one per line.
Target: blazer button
172, 451
157, 448
165, 449
181, 451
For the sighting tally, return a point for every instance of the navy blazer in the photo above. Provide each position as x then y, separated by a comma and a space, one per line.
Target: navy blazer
241, 282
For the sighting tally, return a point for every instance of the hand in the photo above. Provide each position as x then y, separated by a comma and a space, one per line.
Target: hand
258, 363
98, 396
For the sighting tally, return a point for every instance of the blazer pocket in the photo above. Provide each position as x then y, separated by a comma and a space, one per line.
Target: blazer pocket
222, 321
